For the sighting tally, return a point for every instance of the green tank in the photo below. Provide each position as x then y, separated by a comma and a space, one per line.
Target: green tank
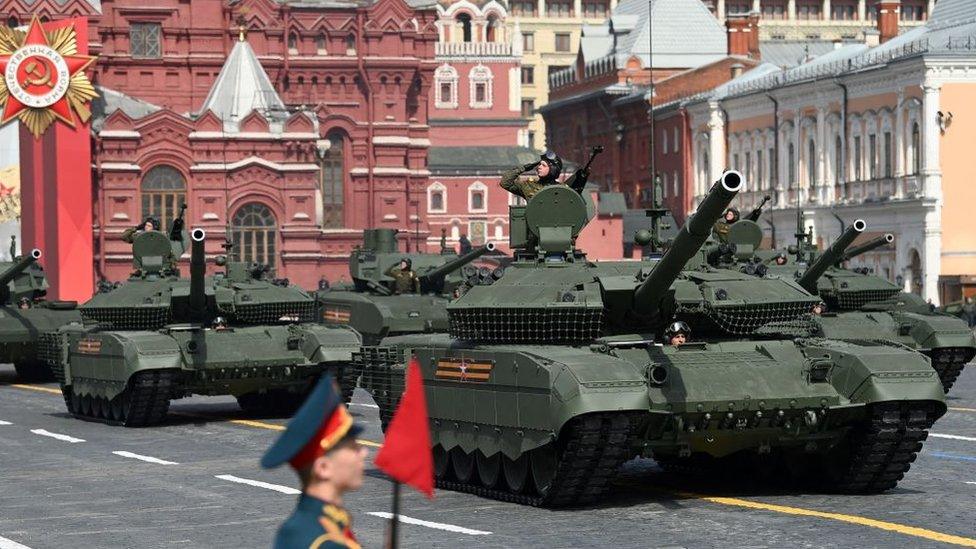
552, 377
860, 305
160, 337
371, 305
25, 316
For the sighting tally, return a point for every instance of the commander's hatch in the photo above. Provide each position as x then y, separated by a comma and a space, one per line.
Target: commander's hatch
550, 223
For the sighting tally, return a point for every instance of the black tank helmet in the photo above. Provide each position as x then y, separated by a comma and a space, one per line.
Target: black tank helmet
555, 167
154, 221
735, 214
407, 262
677, 327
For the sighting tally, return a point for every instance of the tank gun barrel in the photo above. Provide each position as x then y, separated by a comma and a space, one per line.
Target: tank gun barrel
440, 272
198, 271
830, 256
882, 240
689, 240
20, 266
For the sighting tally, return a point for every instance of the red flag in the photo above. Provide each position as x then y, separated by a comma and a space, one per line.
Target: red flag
406, 452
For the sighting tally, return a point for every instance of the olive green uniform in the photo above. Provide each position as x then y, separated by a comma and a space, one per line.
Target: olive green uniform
721, 230
130, 234
404, 280
530, 186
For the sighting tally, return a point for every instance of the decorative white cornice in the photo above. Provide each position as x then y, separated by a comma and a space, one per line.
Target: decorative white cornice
261, 136
254, 161
119, 134
119, 167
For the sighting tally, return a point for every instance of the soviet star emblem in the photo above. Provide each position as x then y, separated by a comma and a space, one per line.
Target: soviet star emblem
43, 77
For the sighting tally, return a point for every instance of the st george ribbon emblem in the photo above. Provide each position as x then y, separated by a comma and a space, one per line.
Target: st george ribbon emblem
43, 77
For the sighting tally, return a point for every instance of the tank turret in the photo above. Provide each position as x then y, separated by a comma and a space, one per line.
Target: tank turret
19, 267
686, 245
434, 278
830, 256
872, 244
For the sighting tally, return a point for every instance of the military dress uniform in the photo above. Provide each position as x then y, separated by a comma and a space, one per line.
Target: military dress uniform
321, 423
404, 280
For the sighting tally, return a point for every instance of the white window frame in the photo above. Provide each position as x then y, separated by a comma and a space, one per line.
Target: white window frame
475, 187
446, 74
677, 139
480, 74
435, 188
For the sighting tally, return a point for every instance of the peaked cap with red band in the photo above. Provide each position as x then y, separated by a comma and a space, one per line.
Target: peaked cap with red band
318, 425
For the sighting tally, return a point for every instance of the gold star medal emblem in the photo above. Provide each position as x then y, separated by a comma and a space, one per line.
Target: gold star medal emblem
42, 77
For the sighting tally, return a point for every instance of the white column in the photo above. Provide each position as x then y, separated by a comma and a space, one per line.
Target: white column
825, 10
577, 8
862, 10
931, 253
931, 170
791, 10
716, 141
797, 153
542, 8
930, 8
756, 6
613, 5
821, 153
720, 10
900, 146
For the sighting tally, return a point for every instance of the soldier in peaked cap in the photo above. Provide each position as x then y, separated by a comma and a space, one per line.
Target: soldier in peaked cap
320, 445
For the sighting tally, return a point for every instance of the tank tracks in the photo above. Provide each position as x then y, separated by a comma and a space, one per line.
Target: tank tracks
145, 401
948, 363
883, 450
595, 447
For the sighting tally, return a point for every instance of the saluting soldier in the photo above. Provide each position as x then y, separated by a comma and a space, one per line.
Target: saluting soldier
547, 171
130, 234
404, 279
320, 445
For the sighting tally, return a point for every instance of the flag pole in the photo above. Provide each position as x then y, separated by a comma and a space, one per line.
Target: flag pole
395, 519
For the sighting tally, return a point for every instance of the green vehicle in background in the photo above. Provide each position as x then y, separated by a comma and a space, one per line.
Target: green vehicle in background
160, 337
859, 304
371, 305
553, 376
25, 316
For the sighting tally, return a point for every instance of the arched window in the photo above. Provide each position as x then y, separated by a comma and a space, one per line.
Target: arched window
464, 21
163, 192
664, 185
477, 197
436, 198
253, 231
12, 22
321, 47
916, 149
446, 81
491, 29
332, 172
480, 77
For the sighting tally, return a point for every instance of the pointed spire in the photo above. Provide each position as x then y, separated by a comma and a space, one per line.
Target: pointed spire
241, 87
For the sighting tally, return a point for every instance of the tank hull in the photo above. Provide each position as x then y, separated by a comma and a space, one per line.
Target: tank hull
21, 332
573, 415
103, 374
376, 316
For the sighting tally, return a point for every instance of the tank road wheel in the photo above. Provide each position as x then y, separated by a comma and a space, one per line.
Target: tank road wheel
462, 464
516, 473
86, 405
489, 468
442, 462
75, 402
544, 464
115, 409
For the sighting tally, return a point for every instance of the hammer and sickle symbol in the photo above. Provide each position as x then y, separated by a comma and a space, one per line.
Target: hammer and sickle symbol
38, 74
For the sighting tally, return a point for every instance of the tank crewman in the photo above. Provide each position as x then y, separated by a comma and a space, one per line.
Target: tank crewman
677, 333
819, 309
780, 259
722, 226
24, 303
130, 234
547, 171
320, 445
404, 279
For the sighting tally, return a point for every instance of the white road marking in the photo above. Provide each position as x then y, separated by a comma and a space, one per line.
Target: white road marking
953, 437
363, 405
65, 438
11, 544
140, 457
259, 484
2, 422
435, 525
970, 482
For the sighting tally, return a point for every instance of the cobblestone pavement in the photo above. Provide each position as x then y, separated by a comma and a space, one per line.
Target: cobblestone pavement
190, 483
